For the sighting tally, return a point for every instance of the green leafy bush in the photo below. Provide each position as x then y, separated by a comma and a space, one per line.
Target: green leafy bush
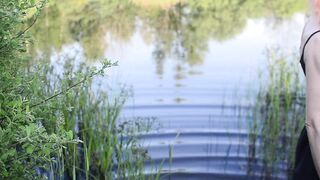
26, 145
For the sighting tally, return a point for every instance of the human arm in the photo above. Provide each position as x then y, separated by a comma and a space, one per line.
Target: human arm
312, 62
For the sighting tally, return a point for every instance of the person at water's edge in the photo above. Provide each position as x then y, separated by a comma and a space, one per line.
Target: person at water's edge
307, 159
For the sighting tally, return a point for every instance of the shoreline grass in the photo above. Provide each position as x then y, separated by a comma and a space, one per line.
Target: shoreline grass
278, 115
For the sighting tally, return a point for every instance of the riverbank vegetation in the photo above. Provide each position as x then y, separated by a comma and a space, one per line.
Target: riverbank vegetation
278, 116
56, 124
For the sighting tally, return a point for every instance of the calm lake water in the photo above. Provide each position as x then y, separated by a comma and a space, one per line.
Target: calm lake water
193, 66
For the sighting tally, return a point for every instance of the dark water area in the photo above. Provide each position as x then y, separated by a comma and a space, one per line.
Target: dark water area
193, 66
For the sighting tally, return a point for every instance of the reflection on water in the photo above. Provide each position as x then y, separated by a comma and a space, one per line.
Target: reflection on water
190, 63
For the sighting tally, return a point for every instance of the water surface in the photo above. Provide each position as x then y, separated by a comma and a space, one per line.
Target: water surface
193, 65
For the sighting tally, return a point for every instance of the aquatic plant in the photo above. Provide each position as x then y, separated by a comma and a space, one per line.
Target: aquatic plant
110, 149
278, 116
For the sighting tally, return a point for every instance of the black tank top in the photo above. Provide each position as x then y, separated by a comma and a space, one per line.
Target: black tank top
302, 58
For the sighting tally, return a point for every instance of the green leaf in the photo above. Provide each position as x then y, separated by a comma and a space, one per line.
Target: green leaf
30, 149
46, 150
70, 135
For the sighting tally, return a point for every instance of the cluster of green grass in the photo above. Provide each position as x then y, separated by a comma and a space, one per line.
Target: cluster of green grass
278, 115
110, 149
59, 125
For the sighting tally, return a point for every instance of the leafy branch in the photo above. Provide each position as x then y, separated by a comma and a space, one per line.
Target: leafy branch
39, 9
106, 64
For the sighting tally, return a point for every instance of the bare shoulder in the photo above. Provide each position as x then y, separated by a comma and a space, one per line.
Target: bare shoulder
313, 46
312, 49
310, 29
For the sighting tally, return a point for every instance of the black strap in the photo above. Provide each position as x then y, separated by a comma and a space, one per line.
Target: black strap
302, 54
307, 42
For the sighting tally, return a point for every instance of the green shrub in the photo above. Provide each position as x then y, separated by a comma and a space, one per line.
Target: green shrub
26, 145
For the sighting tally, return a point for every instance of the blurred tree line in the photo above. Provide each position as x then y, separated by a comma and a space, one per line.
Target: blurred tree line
177, 28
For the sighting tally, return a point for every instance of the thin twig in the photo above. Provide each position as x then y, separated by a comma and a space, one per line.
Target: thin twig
59, 93
74, 85
25, 30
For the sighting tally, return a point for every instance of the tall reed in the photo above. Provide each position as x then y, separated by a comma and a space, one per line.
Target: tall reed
278, 116
110, 148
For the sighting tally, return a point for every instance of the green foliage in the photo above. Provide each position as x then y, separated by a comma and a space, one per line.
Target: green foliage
43, 113
279, 112
109, 149
26, 145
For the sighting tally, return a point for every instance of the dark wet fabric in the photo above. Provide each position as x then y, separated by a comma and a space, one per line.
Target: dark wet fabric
304, 168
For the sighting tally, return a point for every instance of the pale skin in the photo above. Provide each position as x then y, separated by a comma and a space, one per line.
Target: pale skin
312, 65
